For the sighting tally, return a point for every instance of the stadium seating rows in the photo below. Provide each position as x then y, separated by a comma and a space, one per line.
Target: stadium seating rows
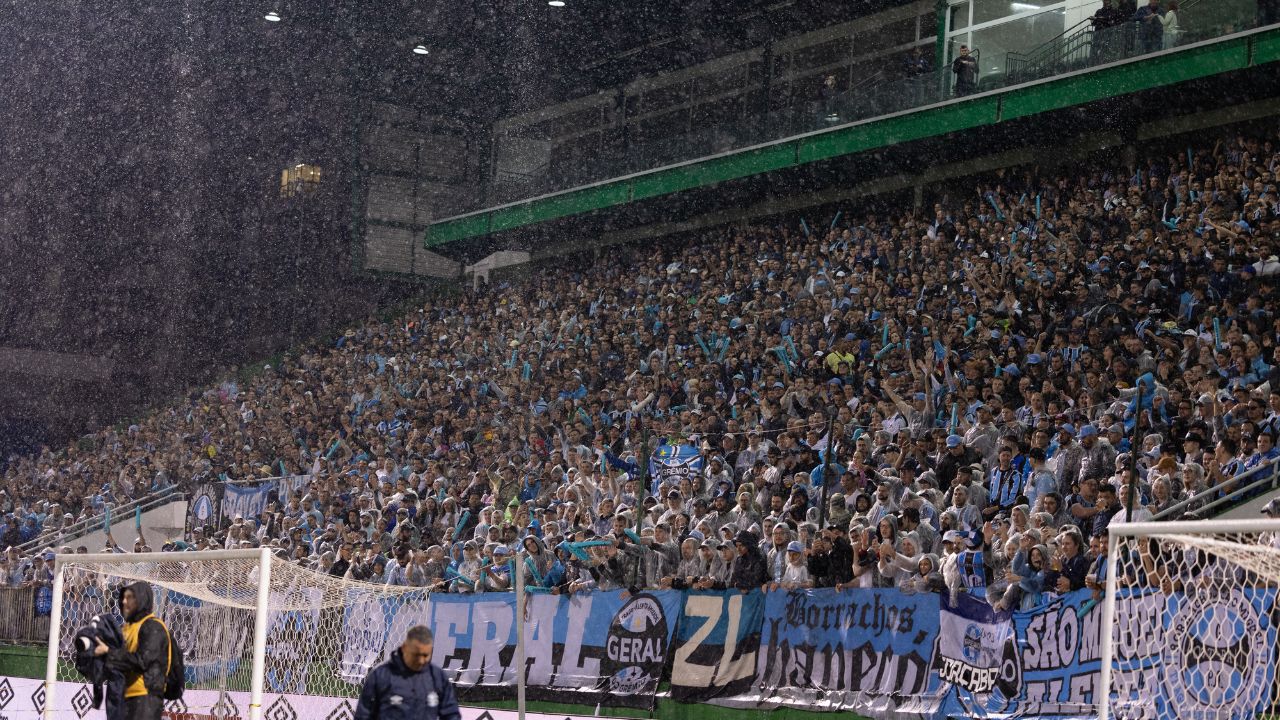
982, 360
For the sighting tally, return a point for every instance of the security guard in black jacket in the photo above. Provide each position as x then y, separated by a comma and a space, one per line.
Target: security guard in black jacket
408, 686
144, 658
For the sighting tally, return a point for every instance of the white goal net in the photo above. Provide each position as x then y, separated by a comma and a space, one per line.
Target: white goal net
309, 659
1191, 613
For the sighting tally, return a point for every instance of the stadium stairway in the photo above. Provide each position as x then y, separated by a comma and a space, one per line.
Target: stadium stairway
161, 516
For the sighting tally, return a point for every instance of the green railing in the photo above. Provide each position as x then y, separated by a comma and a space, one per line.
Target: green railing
1067, 52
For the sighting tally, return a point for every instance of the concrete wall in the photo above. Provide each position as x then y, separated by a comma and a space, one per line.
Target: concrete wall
159, 524
1251, 510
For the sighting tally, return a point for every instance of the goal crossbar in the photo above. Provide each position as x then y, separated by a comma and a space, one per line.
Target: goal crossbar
1178, 527
261, 557
128, 558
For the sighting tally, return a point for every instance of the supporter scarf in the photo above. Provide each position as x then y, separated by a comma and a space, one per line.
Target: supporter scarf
702, 344
451, 574
992, 201
782, 357
579, 549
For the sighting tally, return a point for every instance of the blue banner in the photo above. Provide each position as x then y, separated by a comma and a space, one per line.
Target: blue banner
1194, 652
599, 647
672, 463
851, 650
883, 651
717, 644
249, 500
1170, 659
976, 656
246, 501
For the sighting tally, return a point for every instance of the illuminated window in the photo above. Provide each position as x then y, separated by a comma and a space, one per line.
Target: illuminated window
301, 179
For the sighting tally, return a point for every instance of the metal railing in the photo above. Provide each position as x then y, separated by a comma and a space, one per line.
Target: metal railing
19, 622
1244, 486
68, 533
1018, 64
1085, 44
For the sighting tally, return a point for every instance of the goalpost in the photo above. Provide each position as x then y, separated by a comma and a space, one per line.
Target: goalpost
1189, 624
262, 637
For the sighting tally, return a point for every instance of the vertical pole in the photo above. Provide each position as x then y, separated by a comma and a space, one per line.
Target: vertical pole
826, 472
643, 459
520, 659
942, 15
55, 628
260, 634
766, 89
1102, 694
1135, 446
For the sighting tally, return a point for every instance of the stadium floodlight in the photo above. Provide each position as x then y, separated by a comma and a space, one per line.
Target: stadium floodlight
272, 16
1023, 6
421, 49
1188, 621
555, 3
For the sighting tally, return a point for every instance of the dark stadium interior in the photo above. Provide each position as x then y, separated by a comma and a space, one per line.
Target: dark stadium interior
142, 239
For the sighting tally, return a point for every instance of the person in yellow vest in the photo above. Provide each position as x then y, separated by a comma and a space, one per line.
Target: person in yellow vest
144, 659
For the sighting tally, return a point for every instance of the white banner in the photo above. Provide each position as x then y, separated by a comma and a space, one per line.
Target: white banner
977, 648
24, 699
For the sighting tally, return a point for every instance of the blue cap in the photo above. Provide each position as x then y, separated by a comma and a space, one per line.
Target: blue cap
697, 535
919, 396
795, 546
954, 441
1069, 428
1088, 430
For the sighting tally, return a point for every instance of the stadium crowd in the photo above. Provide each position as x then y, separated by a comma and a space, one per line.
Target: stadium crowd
983, 362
